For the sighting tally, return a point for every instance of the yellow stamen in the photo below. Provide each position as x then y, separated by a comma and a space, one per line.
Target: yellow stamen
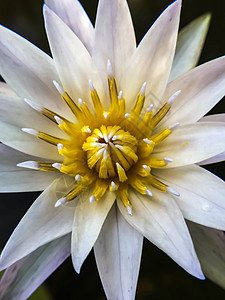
121, 173
107, 149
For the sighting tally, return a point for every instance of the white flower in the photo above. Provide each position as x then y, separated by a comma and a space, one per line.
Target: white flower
122, 135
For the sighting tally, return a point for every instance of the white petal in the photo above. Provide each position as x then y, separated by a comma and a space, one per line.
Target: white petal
217, 158
14, 137
213, 118
192, 143
202, 194
40, 225
75, 17
17, 112
201, 89
15, 179
221, 156
29, 71
88, 220
72, 59
210, 247
5, 89
22, 278
161, 221
118, 253
152, 61
114, 37
189, 46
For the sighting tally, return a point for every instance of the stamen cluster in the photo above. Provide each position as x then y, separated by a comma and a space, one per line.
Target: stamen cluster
107, 149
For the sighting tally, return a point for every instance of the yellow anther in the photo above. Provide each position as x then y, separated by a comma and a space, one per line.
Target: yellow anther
121, 173
158, 138
100, 189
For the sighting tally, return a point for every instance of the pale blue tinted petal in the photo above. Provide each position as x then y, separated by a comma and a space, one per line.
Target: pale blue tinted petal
210, 247
22, 278
41, 224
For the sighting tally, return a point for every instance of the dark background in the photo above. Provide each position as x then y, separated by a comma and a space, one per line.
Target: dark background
160, 278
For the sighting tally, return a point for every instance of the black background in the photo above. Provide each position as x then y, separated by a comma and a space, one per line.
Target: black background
160, 278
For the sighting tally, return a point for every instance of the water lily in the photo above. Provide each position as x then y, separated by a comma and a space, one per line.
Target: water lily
120, 132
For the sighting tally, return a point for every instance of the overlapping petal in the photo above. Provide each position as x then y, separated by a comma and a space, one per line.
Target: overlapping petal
118, 253
114, 37
202, 194
14, 137
210, 247
189, 45
26, 117
5, 89
15, 179
12, 106
74, 70
30, 234
201, 89
152, 60
160, 220
21, 65
88, 221
192, 143
22, 278
75, 17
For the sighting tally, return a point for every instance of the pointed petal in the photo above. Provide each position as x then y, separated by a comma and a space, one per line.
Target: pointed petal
189, 46
114, 37
41, 224
192, 143
221, 156
217, 158
16, 112
118, 254
29, 71
207, 84
14, 137
22, 278
152, 60
5, 89
202, 194
210, 246
72, 59
213, 118
75, 17
88, 221
160, 220
15, 179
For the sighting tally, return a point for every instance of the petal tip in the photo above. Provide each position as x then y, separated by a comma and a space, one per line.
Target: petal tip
197, 272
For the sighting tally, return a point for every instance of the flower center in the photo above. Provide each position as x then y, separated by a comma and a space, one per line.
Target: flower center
111, 151
107, 149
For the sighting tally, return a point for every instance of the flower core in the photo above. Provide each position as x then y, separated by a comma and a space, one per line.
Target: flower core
111, 151
107, 149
